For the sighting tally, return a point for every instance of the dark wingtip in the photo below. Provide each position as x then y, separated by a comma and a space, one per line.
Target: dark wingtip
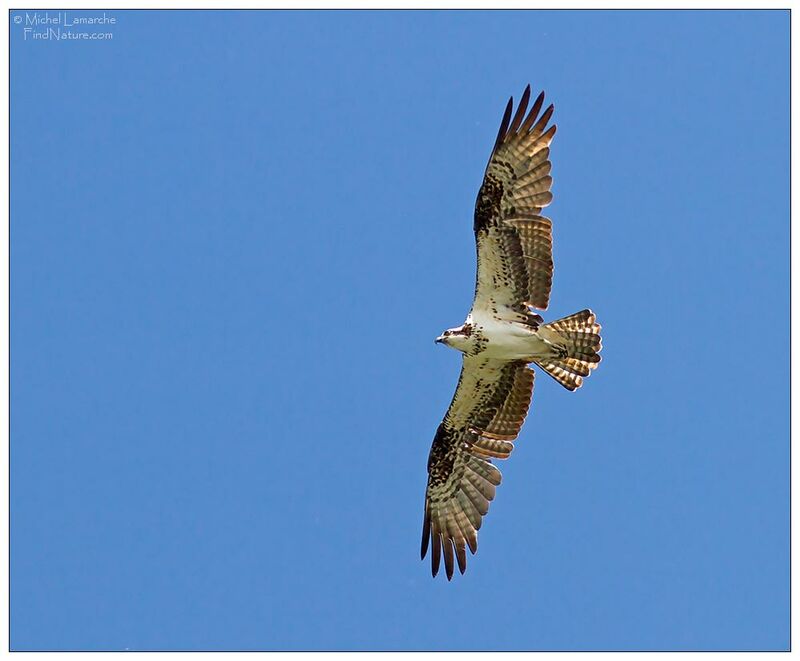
473, 545
546, 115
448, 557
436, 554
426, 535
534, 112
523, 106
504, 124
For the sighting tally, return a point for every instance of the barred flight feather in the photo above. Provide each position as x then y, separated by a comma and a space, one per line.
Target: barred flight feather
461, 481
516, 184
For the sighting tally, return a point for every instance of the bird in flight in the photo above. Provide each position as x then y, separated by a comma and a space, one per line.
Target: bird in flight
501, 336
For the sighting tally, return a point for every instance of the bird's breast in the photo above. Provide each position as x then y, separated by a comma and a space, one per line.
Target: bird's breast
508, 340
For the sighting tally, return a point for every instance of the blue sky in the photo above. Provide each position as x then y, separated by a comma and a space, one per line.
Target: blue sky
234, 238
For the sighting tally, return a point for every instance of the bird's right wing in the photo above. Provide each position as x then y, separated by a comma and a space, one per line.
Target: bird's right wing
485, 416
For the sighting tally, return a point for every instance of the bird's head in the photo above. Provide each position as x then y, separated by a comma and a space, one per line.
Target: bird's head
460, 338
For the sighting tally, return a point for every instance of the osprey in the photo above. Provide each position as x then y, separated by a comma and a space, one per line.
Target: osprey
501, 336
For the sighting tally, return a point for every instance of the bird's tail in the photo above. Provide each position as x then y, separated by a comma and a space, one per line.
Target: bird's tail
579, 335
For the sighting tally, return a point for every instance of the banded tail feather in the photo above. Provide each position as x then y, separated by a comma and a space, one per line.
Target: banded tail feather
580, 333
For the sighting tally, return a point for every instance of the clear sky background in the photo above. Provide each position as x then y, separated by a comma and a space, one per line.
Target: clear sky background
235, 237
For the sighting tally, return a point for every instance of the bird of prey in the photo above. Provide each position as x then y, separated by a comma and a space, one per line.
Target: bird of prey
501, 336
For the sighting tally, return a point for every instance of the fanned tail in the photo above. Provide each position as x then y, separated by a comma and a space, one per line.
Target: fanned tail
580, 333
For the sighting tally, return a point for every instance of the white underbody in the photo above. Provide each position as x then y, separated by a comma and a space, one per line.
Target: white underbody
511, 340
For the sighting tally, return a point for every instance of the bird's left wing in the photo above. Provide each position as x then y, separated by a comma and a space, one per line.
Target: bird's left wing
514, 243
485, 416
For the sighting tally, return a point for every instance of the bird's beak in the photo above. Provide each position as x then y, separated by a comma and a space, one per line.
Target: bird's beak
440, 339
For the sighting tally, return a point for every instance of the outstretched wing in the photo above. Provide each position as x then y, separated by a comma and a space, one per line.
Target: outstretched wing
485, 416
515, 247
